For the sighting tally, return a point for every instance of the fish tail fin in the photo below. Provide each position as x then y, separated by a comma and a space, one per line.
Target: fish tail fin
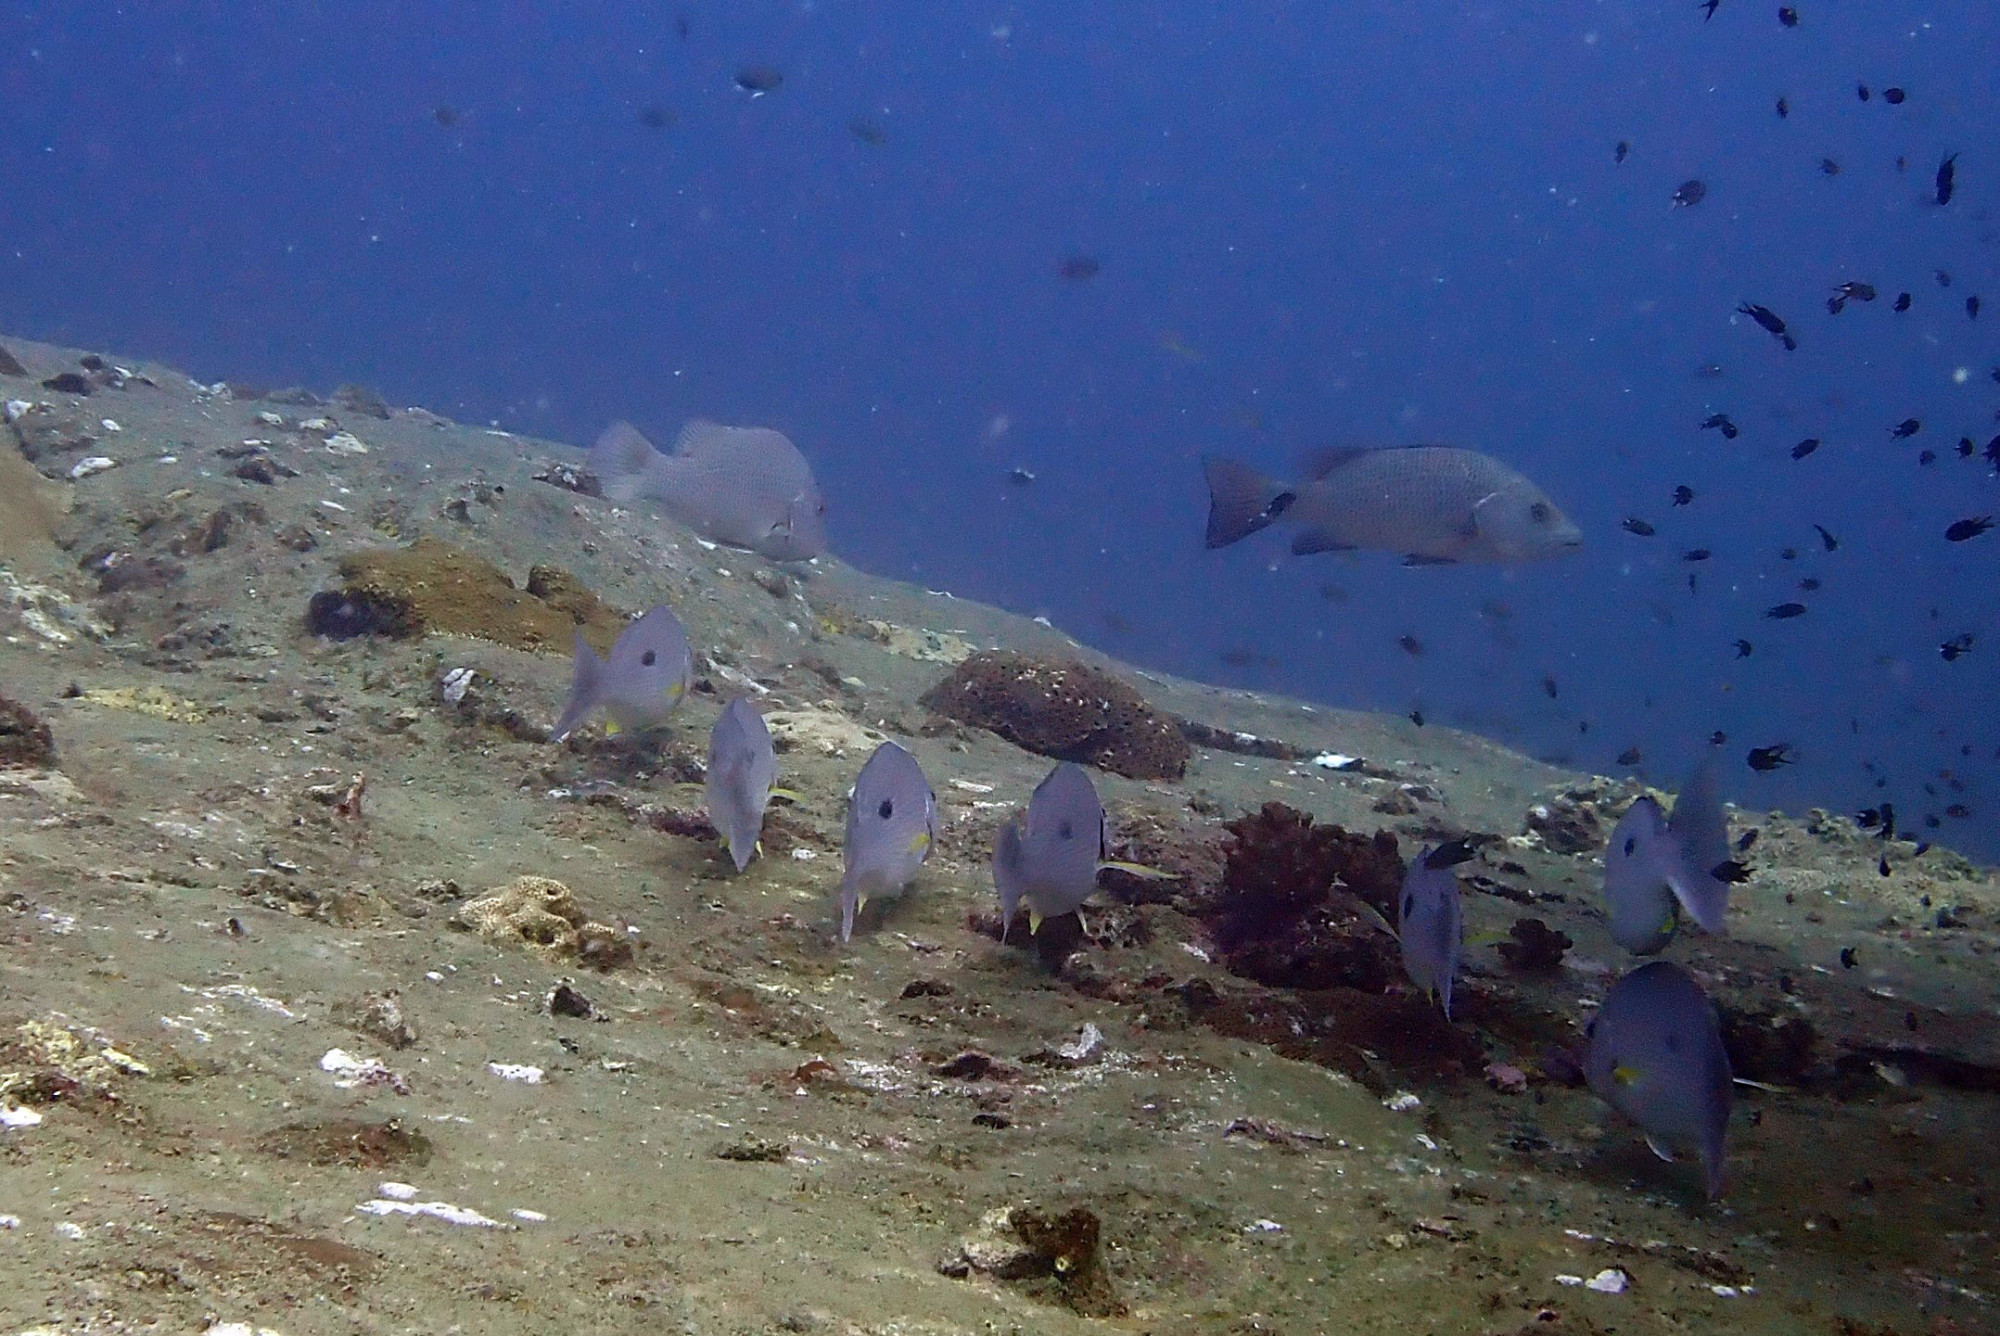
586, 682
1240, 500
1006, 877
1704, 896
851, 901
624, 461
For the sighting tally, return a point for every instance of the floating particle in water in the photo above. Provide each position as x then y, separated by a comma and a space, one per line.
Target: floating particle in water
1630, 756
446, 116
1696, 554
1784, 108
1619, 153
868, 132
655, 116
1828, 167
1411, 645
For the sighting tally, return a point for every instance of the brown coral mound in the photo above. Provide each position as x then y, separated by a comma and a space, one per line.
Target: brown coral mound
24, 739
432, 586
1067, 710
1289, 912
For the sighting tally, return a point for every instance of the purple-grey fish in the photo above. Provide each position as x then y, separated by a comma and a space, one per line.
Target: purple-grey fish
891, 829
1429, 926
1435, 504
741, 769
1656, 1056
1047, 858
642, 680
1656, 867
746, 487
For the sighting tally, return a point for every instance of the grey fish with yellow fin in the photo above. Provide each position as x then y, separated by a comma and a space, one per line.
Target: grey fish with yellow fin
1430, 925
746, 487
1435, 504
1047, 858
742, 766
640, 683
1656, 867
891, 830
1656, 1056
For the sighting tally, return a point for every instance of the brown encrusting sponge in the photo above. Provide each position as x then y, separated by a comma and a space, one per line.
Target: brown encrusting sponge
431, 586
1063, 709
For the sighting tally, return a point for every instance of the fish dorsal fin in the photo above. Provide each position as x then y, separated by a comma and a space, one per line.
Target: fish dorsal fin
1317, 463
699, 436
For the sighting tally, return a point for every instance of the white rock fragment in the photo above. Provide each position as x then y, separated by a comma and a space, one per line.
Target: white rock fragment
971, 786
523, 1213
270, 419
17, 409
110, 425
345, 443
1083, 1046
1609, 1281
10, 1222
237, 1329
1263, 1227
1335, 761
69, 1229
396, 1191
805, 855
350, 1072
1724, 1291
83, 468
13, 1116
1401, 1102
318, 425
516, 1071
1564, 1278
456, 683
437, 1210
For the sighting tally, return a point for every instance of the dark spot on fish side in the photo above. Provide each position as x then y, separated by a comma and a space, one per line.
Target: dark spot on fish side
649, 658
887, 809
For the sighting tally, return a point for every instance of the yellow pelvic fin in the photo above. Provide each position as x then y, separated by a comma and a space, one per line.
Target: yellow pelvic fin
920, 841
1624, 1075
789, 795
1034, 921
1141, 870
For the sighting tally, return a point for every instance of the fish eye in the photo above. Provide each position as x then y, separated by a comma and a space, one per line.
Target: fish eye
1540, 511
1630, 844
649, 658
887, 809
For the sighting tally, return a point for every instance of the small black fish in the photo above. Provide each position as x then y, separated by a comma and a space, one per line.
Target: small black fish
1696, 554
1746, 839
1995, 375
1828, 167
1952, 649
1731, 871
1785, 611
656, 117
1827, 540
1788, 16
1784, 108
1549, 687
1417, 718
1894, 96
1905, 429
1958, 811
1947, 178
1881, 867
1805, 447
1992, 452
1809, 584
1743, 648
1634, 525
1770, 321
1902, 302
1708, 8
1694, 584
1618, 153
757, 80
1965, 447
1788, 554
1078, 268
1961, 530
445, 116
1852, 290
1763, 759
1926, 458
1943, 277
1861, 91
1848, 960
1717, 738
1683, 494
1411, 645
1720, 422
1630, 756
1690, 194
1972, 307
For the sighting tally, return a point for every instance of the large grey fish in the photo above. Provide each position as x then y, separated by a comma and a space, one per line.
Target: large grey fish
746, 487
1435, 504
891, 829
1430, 928
1655, 866
1656, 1056
741, 769
1048, 857
641, 681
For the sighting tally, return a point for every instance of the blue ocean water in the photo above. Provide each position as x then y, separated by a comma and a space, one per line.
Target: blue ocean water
1371, 223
